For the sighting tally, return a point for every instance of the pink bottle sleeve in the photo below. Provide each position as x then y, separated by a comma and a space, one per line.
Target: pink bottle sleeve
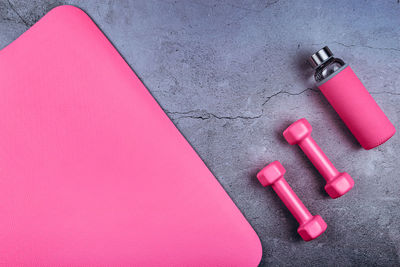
357, 108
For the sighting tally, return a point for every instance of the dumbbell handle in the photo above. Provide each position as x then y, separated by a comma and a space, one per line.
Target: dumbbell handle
291, 200
318, 158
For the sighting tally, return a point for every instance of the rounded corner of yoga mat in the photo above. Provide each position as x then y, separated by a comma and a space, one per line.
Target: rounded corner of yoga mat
92, 171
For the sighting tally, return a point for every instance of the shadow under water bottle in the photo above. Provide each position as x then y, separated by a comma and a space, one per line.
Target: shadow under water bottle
351, 100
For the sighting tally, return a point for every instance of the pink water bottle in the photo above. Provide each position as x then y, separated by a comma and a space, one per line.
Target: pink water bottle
351, 100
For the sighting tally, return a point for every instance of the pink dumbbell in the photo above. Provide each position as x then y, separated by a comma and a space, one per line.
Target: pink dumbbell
338, 183
310, 226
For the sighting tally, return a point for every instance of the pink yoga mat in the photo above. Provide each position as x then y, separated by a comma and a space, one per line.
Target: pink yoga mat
92, 171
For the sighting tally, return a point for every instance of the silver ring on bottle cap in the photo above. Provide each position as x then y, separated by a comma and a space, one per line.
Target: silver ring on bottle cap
320, 57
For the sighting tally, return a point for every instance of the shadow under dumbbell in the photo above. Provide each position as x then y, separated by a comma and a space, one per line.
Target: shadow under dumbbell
275, 205
318, 177
305, 161
279, 132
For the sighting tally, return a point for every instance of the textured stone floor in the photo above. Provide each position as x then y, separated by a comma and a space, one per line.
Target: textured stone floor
232, 77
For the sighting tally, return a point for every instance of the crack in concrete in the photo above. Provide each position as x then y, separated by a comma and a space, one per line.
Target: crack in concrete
205, 115
363, 46
368, 46
268, 4
249, 10
208, 115
19, 15
287, 93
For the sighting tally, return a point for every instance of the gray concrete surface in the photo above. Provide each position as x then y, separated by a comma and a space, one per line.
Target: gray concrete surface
232, 77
